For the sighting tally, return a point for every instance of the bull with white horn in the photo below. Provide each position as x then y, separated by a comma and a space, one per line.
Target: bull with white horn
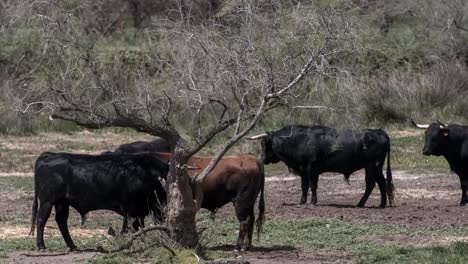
257, 136
451, 142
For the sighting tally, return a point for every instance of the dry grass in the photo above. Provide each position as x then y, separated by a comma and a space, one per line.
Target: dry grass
18, 153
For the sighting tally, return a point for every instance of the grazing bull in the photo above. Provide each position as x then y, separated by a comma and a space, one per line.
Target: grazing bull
450, 141
126, 184
237, 179
159, 145
310, 151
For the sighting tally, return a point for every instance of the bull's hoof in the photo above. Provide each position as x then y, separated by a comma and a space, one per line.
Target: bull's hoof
463, 203
303, 201
72, 248
245, 248
360, 205
237, 248
382, 206
41, 249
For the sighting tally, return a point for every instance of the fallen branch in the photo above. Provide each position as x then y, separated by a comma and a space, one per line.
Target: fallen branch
167, 247
198, 258
140, 232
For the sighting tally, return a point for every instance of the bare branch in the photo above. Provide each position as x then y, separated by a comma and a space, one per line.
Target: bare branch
225, 108
313, 107
311, 64
44, 104
165, 116
239, 114
459, 26
228, 144
98, 121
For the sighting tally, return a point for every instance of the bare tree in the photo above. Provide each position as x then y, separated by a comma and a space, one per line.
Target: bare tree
187, 84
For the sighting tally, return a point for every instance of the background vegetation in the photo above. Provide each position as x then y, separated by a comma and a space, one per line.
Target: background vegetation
411, 59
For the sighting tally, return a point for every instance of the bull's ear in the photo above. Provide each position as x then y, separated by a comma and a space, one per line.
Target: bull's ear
444, 131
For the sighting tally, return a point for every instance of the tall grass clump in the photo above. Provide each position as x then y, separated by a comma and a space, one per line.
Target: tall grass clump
435, 92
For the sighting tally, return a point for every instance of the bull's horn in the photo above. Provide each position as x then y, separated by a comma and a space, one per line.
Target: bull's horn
257, 136
419, 125
51, 118
190, 167
442, 125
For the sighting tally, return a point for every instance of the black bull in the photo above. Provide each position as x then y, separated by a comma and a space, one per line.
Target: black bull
125, 184
310, 151
450, 141
238, 179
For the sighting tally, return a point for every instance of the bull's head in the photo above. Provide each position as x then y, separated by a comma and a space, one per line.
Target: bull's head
436, 138
268, 155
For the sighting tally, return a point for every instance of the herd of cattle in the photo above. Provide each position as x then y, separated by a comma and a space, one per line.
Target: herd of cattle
128, 180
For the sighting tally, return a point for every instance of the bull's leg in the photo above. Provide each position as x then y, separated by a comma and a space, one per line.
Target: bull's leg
243, 230
370, 184
464, 187
242, 213
383, 194
61, 217
305, 188
124, 225
248, 239
313, 187
42, 217
138, 223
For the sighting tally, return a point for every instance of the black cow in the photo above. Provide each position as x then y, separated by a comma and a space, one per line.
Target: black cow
310, 151
450, 141
158, 145
125, 184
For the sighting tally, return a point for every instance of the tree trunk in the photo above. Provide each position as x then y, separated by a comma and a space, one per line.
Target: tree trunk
182, 205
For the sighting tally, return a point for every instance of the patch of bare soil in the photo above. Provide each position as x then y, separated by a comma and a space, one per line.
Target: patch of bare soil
420, 201
406, 133
16, 174
47, 258
21, 231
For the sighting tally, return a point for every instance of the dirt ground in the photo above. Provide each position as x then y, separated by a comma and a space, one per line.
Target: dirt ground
422, 201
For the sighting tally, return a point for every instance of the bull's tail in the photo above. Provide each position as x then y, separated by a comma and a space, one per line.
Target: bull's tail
34, 213
261, 202
389, 188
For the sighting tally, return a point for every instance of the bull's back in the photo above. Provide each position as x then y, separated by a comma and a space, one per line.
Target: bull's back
227, 178
232, 175
351, 150
91, 182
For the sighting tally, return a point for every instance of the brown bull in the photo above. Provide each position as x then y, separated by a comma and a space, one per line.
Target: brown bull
237, 179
